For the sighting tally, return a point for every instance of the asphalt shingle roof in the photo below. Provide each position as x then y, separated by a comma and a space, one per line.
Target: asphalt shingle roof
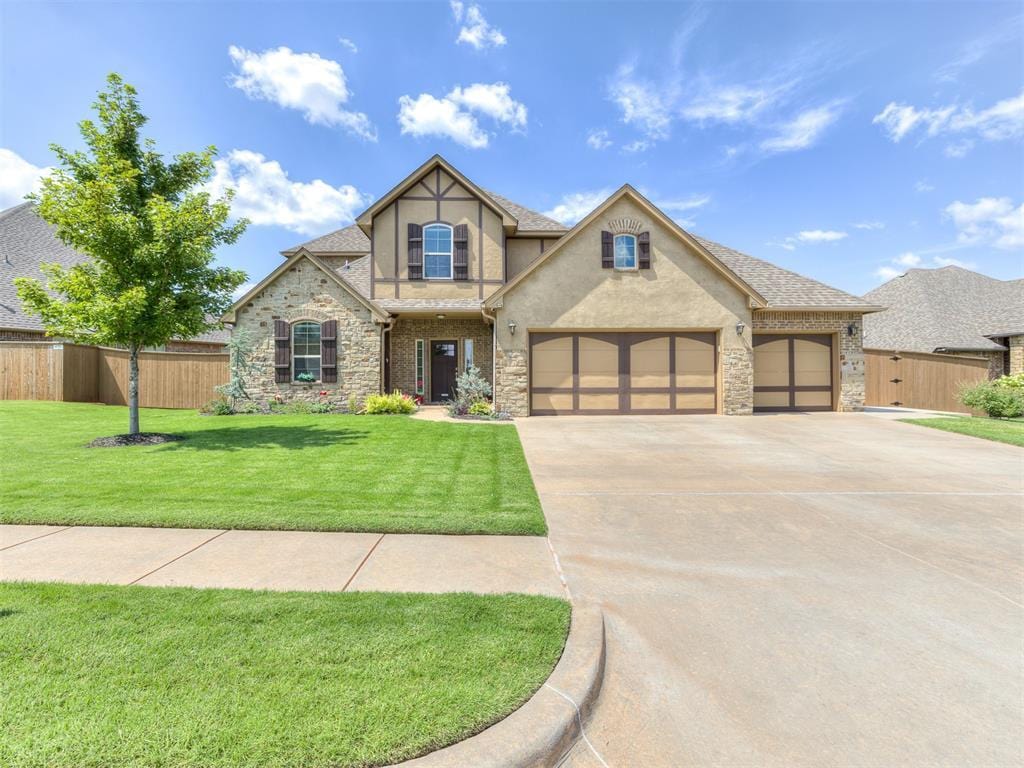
348, 239
529, 220
948, 308
26, 241
781, 287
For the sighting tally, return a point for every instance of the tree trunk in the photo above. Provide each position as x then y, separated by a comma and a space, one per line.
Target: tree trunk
133, 389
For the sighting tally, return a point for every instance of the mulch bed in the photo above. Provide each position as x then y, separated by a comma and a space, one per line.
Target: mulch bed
142, 438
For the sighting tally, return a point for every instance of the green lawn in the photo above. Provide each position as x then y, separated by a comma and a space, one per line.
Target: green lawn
1000, 430
105, 676
316, 472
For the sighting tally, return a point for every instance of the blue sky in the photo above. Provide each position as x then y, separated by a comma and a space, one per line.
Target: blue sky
847, 141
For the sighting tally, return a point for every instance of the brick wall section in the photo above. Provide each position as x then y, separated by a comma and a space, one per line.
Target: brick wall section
851, 349
194, 346
304, 292
6, 335
403, 348
1016, 344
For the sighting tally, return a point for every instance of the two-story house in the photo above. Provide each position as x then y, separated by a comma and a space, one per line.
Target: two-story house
625, 312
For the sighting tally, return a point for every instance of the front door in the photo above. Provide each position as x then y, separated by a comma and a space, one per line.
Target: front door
443, 368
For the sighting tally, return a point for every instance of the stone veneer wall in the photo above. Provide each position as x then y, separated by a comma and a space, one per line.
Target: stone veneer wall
511, 388
304, 292
1016, 344
851, 348
737, 381
404, 333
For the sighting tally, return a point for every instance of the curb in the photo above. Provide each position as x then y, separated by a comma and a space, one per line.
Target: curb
544, 729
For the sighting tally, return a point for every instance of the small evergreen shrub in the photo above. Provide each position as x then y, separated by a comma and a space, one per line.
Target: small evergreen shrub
396, 402
321, 406
217, 407
999, 399
299, 407
470, 388
481, 408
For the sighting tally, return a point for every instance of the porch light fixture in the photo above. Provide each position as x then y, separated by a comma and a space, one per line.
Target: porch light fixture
739, 328
851, 329
512, 327
441, 316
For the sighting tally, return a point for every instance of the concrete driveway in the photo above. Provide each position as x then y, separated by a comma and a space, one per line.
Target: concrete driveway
827, 589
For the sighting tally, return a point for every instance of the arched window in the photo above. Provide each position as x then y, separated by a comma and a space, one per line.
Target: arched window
625, 251
306, 351
437, 252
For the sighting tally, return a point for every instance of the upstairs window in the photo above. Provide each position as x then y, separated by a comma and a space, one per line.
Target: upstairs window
625, 252
437, 252
306, 350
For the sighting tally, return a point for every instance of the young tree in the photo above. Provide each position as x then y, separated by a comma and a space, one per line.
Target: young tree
150, 230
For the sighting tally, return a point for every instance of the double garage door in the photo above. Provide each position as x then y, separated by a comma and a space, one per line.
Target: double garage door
604, 373
792, 372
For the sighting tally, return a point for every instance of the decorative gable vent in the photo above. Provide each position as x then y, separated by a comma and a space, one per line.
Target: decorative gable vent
625, 225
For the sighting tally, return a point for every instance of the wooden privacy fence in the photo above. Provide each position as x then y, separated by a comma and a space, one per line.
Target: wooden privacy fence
32, 370
919, 380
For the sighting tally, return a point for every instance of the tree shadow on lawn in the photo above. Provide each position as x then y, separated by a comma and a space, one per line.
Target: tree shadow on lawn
291, 437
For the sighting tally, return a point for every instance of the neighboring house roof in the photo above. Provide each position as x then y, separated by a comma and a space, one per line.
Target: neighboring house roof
947, 309
784, 289
529, 221
26, 241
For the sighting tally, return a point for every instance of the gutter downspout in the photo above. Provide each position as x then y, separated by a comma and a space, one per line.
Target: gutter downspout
385, 327
494, 352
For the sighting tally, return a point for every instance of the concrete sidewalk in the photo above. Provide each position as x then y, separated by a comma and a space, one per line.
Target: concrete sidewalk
283, 560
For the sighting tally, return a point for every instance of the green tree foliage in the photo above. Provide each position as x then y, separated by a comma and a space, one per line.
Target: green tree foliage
150, 229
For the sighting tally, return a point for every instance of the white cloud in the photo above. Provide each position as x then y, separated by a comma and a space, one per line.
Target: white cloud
887, 273
958, 149
803, 130
923, 186
349, 44
637, 145
302, 81
992, 220
598, 140
975, 50
908, 259
455, 115
241, 290
869, 225
267, 197
475, 30
945, 261
1003, 120
684, 204
18, 177
732, 103
820, 236
574, 207
643, 105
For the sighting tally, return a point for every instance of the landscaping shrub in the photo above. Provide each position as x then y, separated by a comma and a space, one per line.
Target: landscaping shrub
470, 388
1000, 399
217, 407
396, 402
481, 408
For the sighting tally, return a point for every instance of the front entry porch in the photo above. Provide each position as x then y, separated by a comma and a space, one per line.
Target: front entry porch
423, 355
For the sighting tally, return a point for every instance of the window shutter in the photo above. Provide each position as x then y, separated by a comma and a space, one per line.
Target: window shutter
415, 258
460, 261
329, 351
607, 251
643, 241
282, 351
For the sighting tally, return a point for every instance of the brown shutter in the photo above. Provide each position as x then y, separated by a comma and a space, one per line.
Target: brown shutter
460, 263
644, 257
415, 258
329, 351
607, 250
282, 351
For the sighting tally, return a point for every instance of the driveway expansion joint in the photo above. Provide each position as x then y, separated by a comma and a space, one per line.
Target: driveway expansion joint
363, 562
36, 538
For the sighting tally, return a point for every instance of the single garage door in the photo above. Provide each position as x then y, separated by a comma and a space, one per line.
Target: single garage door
603, 373
793, 372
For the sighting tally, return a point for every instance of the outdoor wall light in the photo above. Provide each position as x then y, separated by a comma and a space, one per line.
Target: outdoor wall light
512, 327
851, 329
739, 328
441, 316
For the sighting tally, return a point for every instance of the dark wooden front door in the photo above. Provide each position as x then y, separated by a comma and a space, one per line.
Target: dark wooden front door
443, 366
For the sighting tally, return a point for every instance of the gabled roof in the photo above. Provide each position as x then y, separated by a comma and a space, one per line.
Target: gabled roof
365, 219
784, 289
626, 190
342, 242
949, 309
530, 222
336, 275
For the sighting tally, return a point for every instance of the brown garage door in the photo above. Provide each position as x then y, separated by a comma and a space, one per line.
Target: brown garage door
792, 373
603, 373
